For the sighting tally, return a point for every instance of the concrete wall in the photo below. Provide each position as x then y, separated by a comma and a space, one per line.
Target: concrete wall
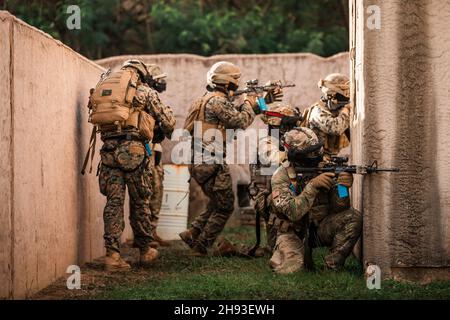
402, 119
187, 79
50, 216
6, 168
187, 74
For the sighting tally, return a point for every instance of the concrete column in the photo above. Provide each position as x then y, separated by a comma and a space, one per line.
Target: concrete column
401, 118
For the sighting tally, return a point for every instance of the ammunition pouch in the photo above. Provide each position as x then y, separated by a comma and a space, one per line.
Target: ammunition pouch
203, 172
127, 153
281, 224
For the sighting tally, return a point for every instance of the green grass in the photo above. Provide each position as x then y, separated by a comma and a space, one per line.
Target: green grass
179, 276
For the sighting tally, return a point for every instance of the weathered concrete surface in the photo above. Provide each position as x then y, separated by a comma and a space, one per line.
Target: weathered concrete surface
6, 169
187, 74
187, 79
402, 119
51, 216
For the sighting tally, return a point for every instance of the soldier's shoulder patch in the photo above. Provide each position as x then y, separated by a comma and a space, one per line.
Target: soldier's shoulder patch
275, 194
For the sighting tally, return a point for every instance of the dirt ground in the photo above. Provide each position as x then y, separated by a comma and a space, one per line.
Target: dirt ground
95, 280
177, 274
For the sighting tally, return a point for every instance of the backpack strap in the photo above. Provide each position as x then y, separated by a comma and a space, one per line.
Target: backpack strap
90, 151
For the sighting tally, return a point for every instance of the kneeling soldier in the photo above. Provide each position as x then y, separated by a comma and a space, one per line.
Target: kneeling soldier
307, 210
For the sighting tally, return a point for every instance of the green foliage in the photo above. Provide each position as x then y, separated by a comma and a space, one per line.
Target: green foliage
112, 27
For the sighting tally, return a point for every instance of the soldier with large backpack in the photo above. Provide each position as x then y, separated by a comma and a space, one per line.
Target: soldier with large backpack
126, 111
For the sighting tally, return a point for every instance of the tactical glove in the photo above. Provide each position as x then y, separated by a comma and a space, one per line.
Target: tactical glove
346, 179
251, 99
324, 180
273, 95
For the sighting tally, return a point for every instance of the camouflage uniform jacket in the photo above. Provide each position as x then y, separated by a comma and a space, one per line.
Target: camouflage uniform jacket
221, 113
329, 126
149, 99
296, 202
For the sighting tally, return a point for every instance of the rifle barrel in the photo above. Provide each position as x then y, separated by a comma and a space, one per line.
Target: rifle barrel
386, 170
263, 88
349, 169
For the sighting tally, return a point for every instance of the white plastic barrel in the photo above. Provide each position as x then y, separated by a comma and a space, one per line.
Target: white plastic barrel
175, 203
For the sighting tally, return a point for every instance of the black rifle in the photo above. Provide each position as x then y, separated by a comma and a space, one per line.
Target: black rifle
252, 86
339, 164
253, 190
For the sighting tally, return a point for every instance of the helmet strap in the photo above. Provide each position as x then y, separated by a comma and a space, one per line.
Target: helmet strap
221, 88
232, 86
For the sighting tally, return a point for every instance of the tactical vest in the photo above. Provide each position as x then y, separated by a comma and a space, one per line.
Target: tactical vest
197, 113
319, 210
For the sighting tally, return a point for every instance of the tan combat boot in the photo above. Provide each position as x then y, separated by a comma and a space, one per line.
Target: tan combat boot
160, 241
154, 244
113, 262
225, 249
148, 256
189, 236
198, 250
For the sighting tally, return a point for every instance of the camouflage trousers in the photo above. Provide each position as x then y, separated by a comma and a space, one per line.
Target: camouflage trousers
215, 181
157, 193
338, 231
113, 183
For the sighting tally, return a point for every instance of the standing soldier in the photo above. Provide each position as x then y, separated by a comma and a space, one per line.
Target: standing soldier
157, 172
330, 117
215, 110
308, 211
126, 110
155, 163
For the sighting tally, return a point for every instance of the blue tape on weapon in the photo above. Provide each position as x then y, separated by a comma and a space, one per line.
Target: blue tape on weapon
262, 104
149, 150
291, 186
342, 191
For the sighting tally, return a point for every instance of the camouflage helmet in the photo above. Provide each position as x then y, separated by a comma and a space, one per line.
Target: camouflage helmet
276, 112
335, 83
223, 73
155, 71
303, 146
136, 64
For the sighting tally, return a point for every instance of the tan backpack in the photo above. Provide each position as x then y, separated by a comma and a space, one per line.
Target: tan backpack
111, 100
111, 108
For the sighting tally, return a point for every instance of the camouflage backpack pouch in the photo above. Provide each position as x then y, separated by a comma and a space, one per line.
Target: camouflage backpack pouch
125, 155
